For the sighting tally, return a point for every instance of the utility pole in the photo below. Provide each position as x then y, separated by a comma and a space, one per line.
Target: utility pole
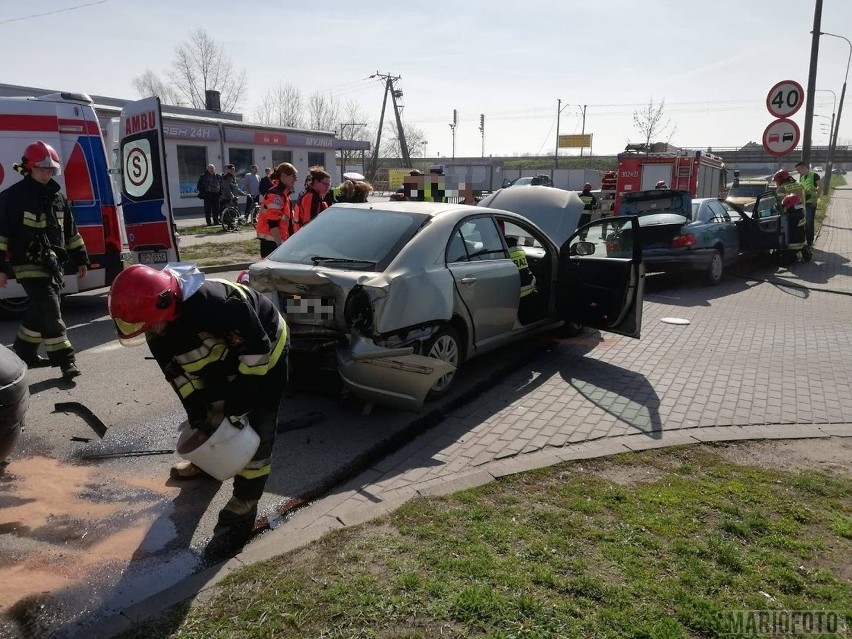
809, 106
583, 131
453, 129
394, 93
559, 108
482, 130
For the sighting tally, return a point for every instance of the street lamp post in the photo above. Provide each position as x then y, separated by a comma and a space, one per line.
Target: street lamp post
833, 144
830, 128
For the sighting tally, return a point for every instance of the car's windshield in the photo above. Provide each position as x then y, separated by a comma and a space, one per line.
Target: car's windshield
747, 190
351, 238
521, 181
672, 204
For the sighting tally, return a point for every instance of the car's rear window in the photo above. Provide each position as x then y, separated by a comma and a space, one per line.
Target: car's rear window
345, 237
651, 206
747, 190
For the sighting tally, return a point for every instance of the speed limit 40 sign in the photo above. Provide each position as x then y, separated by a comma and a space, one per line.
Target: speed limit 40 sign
785, 98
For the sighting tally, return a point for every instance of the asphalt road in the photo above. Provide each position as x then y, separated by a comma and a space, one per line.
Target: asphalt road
90, 525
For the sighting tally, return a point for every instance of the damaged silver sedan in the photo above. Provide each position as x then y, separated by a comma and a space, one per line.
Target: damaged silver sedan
396, 296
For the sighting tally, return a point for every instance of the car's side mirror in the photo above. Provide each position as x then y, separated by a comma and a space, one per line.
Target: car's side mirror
583, 248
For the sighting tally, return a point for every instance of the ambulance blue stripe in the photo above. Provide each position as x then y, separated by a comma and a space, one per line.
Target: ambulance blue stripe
142, 212
96, 161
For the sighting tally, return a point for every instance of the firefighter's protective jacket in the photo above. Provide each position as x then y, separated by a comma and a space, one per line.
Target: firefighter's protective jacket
225, 337
37, 231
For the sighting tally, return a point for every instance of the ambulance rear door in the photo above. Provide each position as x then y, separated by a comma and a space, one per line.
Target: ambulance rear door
145, 200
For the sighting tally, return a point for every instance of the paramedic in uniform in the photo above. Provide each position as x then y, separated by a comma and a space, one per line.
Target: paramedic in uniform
223, 348
37, 237
275, 222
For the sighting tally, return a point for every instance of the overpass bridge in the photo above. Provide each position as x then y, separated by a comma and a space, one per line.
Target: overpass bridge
755, 154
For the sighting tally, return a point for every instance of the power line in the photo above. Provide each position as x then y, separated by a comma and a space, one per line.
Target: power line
50, 13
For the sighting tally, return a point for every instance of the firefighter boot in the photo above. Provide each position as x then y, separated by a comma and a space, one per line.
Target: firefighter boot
70, 371
185, 469
233, 530
30, 357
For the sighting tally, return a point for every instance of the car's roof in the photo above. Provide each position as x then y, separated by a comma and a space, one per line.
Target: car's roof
432, 209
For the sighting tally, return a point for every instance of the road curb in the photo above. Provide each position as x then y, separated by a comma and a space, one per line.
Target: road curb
278, 541
317, 519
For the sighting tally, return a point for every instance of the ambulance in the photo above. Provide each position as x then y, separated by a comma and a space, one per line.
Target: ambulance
132, 221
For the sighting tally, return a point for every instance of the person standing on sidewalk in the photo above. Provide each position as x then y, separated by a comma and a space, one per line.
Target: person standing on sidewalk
265, 182
810, 181
210, 189
251, 186
37, 236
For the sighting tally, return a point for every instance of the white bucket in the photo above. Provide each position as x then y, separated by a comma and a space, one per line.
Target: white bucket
225, 453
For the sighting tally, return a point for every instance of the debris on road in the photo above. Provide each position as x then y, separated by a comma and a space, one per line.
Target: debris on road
88, 416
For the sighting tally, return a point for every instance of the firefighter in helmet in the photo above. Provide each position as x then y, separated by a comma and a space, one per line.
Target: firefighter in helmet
223, 348
661, 184
785, 185
37, 237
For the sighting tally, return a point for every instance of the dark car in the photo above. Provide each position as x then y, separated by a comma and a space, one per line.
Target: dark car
701, 235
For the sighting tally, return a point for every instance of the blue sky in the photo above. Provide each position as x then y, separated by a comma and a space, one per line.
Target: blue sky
712, 63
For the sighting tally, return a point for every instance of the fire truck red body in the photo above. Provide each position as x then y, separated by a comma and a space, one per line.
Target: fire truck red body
701, 174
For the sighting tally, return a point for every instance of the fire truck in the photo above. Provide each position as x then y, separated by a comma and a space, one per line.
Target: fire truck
640, 168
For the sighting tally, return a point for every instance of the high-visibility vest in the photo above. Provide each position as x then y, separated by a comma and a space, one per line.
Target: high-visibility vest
527, 278
809, 183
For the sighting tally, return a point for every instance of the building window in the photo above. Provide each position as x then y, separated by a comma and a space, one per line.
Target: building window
192, 162
316, 159
242, 159
279, 156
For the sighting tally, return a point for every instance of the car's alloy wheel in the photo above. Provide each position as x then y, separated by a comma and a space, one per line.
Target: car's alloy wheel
444, 345
714, 269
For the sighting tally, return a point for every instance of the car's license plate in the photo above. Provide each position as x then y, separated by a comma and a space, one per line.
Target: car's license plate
311, 307
154, 257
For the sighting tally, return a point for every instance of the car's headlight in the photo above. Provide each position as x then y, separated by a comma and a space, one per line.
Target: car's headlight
358, 311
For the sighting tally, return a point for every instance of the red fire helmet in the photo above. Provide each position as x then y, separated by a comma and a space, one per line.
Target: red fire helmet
42, 155
781, 176
139, 298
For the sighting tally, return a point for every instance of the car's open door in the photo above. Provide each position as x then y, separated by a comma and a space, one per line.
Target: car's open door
601, 278
767, 232
145, 186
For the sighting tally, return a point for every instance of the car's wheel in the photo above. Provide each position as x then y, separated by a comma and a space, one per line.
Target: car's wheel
571, 329
715, 268
13, 307
446, 346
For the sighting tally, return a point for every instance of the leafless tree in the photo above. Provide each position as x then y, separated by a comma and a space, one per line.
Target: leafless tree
150, 84
281, 106
652, 123
414, 138
200, 65
323, 112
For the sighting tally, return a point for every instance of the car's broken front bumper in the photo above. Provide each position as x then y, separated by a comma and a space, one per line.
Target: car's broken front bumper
392, 376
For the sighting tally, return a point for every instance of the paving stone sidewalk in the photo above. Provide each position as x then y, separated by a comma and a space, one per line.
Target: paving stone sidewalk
759, 359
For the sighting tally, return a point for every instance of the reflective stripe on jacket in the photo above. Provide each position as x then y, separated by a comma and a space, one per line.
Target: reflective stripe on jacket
275, 212
38, 231
225, 336
527, 278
